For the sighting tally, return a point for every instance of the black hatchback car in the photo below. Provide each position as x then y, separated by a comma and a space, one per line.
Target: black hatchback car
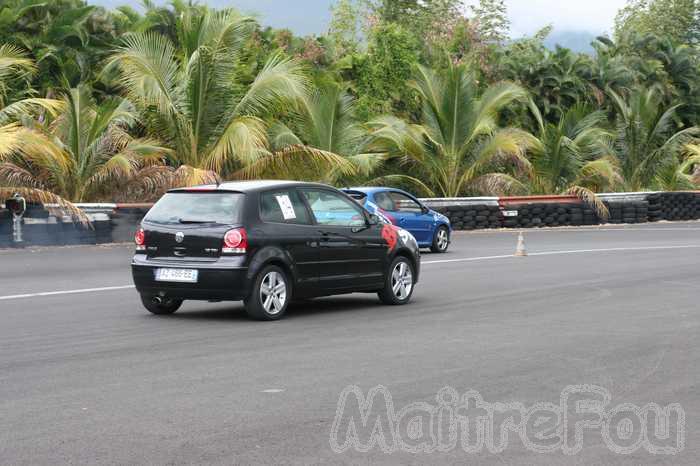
266, 243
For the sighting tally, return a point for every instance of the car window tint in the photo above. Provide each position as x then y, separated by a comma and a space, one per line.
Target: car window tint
404, 203
331, 208
283, 206
182, 206
384, 202
357, 196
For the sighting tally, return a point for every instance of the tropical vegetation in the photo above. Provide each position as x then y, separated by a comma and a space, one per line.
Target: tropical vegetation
120, 104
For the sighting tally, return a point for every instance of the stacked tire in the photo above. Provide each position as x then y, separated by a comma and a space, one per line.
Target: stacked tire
674, 206
473, 217
628, 212
548, 215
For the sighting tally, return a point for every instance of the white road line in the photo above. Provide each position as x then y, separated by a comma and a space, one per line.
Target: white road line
564, 230
56, 293
572, 251
447, 261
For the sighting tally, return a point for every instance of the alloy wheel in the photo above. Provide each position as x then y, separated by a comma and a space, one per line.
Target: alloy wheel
273, 293
402, 280
442, 239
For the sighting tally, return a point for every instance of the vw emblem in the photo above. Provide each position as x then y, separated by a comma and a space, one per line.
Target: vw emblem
179, 237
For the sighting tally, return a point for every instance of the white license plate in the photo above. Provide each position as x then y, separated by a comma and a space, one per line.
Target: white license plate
176, 275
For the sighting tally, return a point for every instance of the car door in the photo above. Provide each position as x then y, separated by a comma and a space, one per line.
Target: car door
287, 224
352, 251
411, 216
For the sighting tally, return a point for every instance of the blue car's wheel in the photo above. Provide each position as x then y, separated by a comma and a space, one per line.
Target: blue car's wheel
441, 240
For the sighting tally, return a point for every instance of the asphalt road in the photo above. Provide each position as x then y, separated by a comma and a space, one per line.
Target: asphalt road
91, 378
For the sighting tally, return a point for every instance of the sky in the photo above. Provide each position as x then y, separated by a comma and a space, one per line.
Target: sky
527, 16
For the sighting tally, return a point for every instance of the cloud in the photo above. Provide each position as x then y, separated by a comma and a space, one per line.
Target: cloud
528, 16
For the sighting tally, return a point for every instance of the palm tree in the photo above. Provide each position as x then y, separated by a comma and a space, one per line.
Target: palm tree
680, 174
324, 141
575, 156
575, 151
192, 97
15, 139
609, 69
647, 135
459, 146
87, 153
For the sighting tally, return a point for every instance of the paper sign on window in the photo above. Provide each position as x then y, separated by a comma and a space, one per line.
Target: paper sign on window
286, 206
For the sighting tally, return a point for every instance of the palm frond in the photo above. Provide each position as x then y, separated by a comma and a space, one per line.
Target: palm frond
280, 82
186, 176
498, 184
14, 175
14, 63
10, 140
244, 140
590, 198
389, 180
299, 162
30, 106
149, 71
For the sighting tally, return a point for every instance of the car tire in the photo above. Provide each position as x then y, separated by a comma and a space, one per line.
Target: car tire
270, 295
441, 240
167, 306
393, 293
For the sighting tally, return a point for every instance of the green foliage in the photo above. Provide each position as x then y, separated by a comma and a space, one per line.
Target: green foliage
458, 147
100, 104
675, 20
190, 94
323, 141
345, 29
491, 17
575, 151
381, 74
648, 135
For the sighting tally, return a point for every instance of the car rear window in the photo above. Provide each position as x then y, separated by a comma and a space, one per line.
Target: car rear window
197, 207
359, 196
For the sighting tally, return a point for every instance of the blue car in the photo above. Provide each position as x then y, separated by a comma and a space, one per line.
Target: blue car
431, 229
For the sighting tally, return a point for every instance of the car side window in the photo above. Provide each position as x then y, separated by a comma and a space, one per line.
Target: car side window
404, 203
283, 206
384, 202
331, 208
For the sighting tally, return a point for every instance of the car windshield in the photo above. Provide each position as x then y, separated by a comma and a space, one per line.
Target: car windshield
197, 207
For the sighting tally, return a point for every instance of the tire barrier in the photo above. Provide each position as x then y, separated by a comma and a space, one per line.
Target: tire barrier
628, 212
473, 217
118, 222
530, 215
674, 206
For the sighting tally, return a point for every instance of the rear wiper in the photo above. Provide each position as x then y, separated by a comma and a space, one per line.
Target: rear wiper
188, 221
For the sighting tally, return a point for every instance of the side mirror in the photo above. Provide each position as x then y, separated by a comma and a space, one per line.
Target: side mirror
424, 209
374, 219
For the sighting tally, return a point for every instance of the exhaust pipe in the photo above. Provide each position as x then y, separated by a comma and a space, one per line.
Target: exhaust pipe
157, 300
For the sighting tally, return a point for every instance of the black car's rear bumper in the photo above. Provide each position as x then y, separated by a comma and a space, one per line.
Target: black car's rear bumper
220, 280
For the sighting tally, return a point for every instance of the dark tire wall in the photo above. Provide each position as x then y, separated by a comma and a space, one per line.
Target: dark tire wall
119, 223
657, 207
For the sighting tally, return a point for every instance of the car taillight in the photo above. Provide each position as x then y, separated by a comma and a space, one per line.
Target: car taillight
140, 240
235, 241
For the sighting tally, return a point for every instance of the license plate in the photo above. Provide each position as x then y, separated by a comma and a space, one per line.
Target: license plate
176, 275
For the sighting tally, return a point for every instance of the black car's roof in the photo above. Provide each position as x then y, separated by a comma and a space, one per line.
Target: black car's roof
249, 186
